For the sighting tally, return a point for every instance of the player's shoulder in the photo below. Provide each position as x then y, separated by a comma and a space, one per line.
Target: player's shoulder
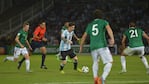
65, 31
37, 28
139, 28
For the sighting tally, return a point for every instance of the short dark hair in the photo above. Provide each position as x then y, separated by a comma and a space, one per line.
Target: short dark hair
132, 24
25, 23
97, 13
71, 23
42, 21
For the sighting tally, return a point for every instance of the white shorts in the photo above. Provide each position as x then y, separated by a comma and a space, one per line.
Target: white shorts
137, 50
19, 51
104, 53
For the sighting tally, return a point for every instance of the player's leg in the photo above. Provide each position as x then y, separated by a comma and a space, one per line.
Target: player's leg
143, 58
43, 51
63, 61
15, 56
123, 63
95, 58
27, 59
75, 60
33, 45
107, 60
126, 51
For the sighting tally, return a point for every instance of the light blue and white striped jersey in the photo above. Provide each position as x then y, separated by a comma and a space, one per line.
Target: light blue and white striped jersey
64, 46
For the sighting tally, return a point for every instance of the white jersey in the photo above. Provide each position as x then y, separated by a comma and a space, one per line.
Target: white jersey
65, 46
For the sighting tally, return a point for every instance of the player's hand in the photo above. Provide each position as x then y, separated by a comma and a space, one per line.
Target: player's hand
111, 42
22, 46
44, 39
69, 41
30, 49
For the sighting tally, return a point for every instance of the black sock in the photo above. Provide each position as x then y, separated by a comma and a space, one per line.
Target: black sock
61, 67
43, 59
75, 64
22, 60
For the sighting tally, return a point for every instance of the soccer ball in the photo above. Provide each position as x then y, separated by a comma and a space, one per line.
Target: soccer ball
85, 69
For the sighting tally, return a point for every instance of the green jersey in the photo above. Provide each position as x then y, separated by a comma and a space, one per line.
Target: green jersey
134, 36
63, 28
96, 30
22, 37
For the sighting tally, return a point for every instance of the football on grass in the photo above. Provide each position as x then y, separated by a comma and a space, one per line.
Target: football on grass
85, 69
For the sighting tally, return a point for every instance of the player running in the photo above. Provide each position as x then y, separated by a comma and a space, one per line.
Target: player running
65, 47
134, 36
38, 42
66, 25
20, 48
98, 45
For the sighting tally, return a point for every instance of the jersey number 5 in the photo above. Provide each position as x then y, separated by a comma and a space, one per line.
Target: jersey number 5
133, 33
95, 30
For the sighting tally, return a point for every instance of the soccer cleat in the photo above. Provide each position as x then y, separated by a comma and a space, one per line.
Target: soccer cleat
19, 65
78, 69
29, 71
123, 71
62, 72
43, 67
5, 60
58, 56
69, 60
101, 81
98, 80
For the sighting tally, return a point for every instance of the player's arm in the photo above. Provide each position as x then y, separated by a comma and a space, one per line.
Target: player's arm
146, 37
17, 41
82, 42
76, 37
123, 42
110, 33
64, 39
29, 46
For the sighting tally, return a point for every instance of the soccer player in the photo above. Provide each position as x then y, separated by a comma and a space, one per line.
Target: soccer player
98, 45
38, 42
66, 24
135, 45
65, 47
20, 48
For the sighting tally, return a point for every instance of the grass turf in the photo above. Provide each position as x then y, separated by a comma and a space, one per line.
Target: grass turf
136, 72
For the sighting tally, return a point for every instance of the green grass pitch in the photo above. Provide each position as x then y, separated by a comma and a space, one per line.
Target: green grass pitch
136, 72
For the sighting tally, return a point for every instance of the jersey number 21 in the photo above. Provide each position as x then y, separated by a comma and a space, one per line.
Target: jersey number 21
133, 33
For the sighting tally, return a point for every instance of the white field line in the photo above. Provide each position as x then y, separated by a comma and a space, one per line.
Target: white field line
110, 82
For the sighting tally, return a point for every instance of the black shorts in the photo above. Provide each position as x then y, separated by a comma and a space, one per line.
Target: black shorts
37, 44
69, 53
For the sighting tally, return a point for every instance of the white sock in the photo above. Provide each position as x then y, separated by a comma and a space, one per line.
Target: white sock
107, 69
144, 60
123, 63
11, 58
27, 62
95, 69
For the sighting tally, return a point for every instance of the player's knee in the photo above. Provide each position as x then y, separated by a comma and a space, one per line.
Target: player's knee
26, 56
75, 58
64, 62
15, 59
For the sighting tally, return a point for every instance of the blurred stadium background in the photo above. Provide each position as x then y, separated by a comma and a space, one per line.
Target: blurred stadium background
118, 12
